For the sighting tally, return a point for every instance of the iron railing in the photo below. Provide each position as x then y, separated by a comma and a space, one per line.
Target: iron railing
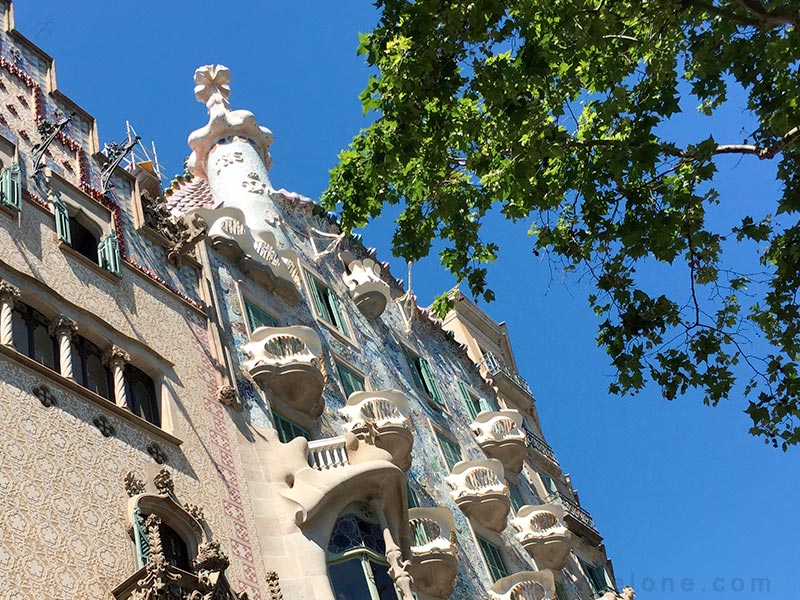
494, 365
542, 447
575, 511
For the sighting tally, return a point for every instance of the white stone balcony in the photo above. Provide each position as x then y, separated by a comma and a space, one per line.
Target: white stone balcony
543, 534
434, 563
382, 418
478, 488
369, 291
500, 434
287, 360
525, 585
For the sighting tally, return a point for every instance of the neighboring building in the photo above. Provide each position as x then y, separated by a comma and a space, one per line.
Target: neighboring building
210, 392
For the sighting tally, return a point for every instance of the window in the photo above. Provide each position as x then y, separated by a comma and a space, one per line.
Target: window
411, 495
475, 405
141, 392
89, 369
515, 496
351, 381
599, 579
175, 537
494, 559
175, 550
327, 305
256, 317
32, 336
356, 561
549, 485
85, 237
450, 450
288, 430
422, 375
10, 187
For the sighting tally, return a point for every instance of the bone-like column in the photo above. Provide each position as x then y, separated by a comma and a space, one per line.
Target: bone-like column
64, 330
116, 358
8, 295
398, 568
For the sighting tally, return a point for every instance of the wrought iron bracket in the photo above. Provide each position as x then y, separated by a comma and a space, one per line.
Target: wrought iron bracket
115, 153
48, 131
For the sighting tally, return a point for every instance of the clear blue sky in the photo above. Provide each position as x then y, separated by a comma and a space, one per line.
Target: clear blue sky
679, 491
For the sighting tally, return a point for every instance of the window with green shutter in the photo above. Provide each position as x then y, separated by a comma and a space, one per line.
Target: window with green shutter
598, 577
327, 304
515, 495
549, 484
450, 450
108, 253
474, 404
411, 495
256, 317
63, 230
288, 430
422, 374
351, 381
494, 559
11, 187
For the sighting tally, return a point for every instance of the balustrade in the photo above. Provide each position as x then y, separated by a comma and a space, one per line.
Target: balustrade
434, 565
327, 454
382, 418
479, 489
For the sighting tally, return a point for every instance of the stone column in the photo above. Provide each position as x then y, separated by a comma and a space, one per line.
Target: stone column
64, 330
398, 568
8, 295
116, 358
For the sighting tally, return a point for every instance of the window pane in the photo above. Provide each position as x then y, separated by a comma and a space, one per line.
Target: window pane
516, 497
83, 240
494, 558
384, 583
450, 450
351, 382
43, 350
349, 581
96, 375
258, 318
413, 500
288, 430
142, 395
21, 333
175, 550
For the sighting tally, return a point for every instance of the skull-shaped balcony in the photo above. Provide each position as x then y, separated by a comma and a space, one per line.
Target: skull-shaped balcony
525, 585
382, 418
287, 361
479, 490
543, 534
369, 291
501, 436
434, 564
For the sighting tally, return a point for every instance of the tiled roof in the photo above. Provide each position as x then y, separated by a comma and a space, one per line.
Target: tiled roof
193, 193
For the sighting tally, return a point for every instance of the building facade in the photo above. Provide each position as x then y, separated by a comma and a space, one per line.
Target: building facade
210, 391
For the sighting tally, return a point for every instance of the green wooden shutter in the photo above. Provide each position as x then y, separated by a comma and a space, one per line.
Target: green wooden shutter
62, 220
469, 401
141, 537
515, 495
258, 318
288, 430
450, 450
10, 187
494, 559
350, 381
322, 309
108, 253
411, 495
411, 361
336, 310
430, 382
549, 484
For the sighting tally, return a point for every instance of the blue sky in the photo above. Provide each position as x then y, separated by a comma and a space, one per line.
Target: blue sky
687, 500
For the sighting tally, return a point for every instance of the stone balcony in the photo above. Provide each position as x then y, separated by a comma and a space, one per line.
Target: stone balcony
382, 418
369, 291
434, 563
478, 488
543, 534
578, 520
287, 361
500, 434
525, 585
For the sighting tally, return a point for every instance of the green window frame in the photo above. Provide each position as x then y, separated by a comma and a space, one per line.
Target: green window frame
450, 450
474, 405
598, 577
515, 495
288, 429
351, 381
549, 485
11, 187
107, 254
422, 374
494, 559
411, 495
329, 309
257, 317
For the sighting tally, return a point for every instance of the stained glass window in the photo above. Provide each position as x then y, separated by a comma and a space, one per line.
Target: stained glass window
351, 532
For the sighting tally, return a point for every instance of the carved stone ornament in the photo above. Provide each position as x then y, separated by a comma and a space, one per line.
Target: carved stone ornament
210, 557
226, 395
8, 292
274, 584
163, 481
133, 485
116, 356
63, 326
195, 512
104, 425
45, 395
157, 452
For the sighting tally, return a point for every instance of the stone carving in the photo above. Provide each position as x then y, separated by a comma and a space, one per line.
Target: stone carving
181, 236
133, 485
157, 453
116, 356
163, 481
210, 557
195, 512
8, 292
253, 184
104, 425
45, 395
63, 326
274, 583
226, 395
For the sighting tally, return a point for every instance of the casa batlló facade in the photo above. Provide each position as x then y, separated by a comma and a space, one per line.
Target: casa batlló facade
209, 391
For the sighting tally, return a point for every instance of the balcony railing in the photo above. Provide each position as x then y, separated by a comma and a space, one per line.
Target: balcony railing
495, 365
573, 510
326, 454
542, 447
433, 530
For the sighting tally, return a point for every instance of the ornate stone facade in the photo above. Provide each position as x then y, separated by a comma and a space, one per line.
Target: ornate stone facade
222, 420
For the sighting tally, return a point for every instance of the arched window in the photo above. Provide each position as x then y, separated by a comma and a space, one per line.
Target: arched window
141, 392
356, 560
89, 369
32, 336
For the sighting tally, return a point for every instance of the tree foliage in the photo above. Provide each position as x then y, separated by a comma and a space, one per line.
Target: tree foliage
559, 113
